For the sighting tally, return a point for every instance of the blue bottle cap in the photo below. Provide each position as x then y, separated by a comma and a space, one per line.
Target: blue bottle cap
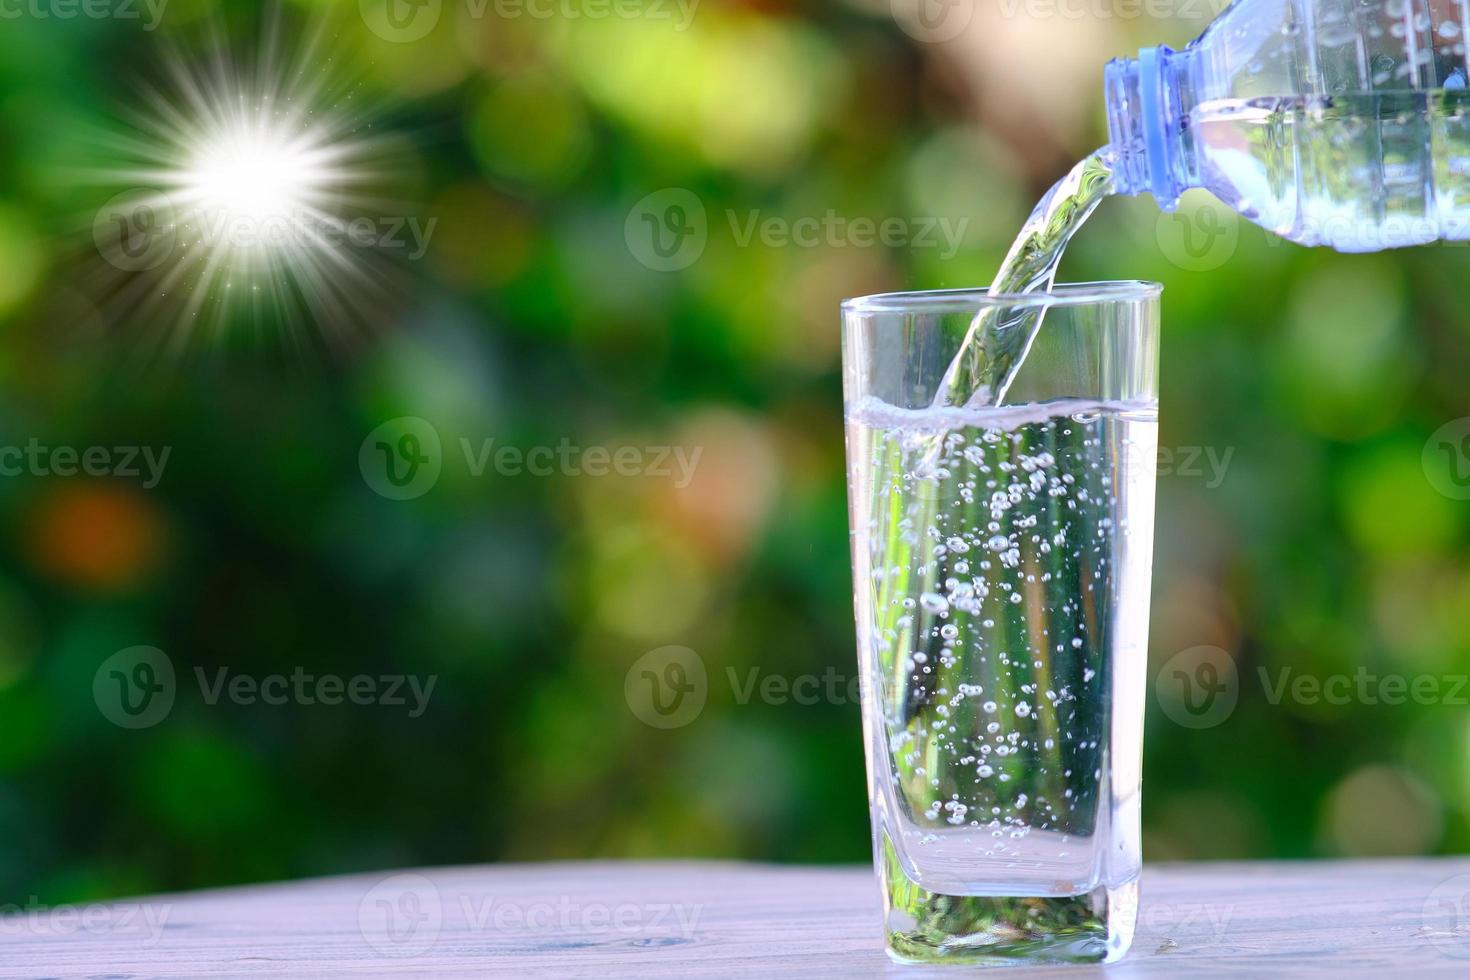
1150, 89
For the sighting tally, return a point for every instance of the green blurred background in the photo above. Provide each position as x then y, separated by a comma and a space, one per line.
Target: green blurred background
1323, 544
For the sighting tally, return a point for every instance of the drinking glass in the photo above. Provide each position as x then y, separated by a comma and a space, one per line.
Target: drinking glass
1001, 562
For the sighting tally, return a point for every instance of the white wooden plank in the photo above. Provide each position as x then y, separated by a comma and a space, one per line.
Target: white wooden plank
709, 919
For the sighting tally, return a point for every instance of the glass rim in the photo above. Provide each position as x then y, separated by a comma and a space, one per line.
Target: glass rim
980, 297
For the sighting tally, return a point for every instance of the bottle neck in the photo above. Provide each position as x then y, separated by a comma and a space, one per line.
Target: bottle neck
1145, 131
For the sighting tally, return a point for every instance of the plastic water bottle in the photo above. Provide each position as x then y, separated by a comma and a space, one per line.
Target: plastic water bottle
1329, 122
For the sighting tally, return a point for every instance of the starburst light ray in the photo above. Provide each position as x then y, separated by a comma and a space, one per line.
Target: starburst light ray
251, 191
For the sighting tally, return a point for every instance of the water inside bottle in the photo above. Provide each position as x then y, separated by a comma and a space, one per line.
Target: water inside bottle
1358, 172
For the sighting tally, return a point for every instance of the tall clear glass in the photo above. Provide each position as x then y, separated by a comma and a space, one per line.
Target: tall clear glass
1001, 562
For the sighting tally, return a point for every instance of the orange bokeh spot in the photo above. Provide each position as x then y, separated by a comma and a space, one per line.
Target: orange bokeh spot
96, 537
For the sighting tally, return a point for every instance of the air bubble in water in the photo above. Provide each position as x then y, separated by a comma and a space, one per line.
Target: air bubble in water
933, 602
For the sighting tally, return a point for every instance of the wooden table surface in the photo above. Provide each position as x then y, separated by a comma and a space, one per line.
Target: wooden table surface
1389, 918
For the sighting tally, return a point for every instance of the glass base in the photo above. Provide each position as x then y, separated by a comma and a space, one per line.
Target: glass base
927, 927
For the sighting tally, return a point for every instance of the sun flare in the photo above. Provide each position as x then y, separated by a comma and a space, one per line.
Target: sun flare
241, 184
254, 174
